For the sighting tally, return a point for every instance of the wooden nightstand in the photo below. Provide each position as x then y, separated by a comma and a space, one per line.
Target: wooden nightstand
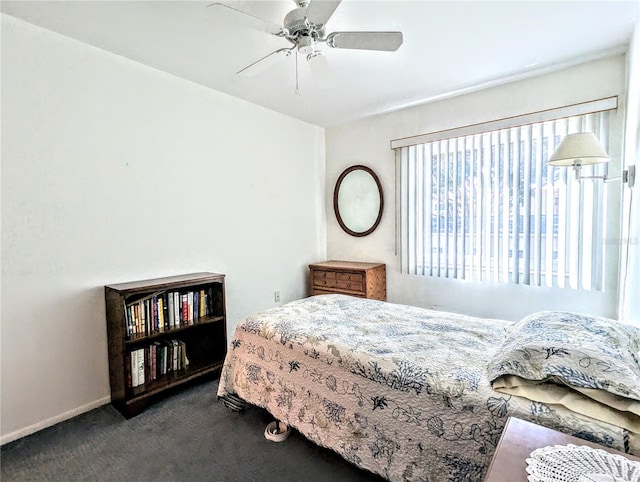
365, 280
519, 439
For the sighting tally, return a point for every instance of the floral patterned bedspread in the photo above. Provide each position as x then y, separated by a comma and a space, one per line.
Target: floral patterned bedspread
397, 390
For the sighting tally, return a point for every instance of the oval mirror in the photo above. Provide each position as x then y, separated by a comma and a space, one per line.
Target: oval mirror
358, 200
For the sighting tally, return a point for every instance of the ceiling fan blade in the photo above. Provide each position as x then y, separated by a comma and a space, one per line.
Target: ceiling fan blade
264, 63
319, 11
387, 41
321, 70
256, 22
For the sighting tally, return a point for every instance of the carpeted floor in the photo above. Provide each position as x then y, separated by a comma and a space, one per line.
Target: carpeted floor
189, 436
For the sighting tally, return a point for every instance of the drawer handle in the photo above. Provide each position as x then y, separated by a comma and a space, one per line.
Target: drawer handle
348, 285
324, 275
324, 282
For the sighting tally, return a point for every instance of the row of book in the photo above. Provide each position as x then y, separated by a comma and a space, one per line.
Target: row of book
167, 310
157, 359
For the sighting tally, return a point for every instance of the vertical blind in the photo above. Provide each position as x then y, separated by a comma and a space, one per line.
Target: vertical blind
487, 207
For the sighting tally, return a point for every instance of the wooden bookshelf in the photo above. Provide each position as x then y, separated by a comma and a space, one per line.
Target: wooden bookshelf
163, 333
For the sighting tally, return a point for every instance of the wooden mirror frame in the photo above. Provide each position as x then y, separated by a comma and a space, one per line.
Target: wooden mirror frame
336, 208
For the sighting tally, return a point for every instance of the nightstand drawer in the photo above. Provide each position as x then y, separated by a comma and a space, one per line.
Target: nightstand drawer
324, 283
324, 279
349, 285
322, 274
353, 277
317, 291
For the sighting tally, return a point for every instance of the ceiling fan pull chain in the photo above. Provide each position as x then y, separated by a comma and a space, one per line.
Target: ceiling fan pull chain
297, 92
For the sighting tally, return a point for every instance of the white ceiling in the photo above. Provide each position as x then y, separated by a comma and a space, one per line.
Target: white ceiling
449, 46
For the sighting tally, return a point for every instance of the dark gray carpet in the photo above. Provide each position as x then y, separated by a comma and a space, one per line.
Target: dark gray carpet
189, 436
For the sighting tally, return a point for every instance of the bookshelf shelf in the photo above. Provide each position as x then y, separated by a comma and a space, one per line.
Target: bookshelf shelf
163, 333
136, 339
172, 380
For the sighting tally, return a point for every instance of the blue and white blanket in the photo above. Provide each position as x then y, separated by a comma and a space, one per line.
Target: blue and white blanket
397, 390
588, 364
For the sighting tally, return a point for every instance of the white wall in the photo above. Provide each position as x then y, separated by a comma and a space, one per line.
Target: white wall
367, 142
113, 171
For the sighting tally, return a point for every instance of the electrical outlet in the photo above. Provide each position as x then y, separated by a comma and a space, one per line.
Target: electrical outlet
276, 296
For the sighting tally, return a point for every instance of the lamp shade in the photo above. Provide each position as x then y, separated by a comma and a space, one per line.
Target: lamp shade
578, 150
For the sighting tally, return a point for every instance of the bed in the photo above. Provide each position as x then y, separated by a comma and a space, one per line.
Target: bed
415, 394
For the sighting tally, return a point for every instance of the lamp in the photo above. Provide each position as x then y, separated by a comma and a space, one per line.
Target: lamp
582, 149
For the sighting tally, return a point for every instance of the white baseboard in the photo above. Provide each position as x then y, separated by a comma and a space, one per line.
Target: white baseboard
36, 427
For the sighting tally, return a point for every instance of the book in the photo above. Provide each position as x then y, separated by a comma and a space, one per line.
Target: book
175, 354
160, 315
129, 363
169, 356
149, 325
147, 363
165, 311
170, 311
129, 320
184, 360
196, 303
165, 349
210, 311
133, 356
141, 366
157, 349
184, 303
143, 318
176, 309
134, 313
151, 368
162, 363
153, 311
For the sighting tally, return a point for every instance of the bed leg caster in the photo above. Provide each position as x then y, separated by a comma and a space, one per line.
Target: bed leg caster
277, 431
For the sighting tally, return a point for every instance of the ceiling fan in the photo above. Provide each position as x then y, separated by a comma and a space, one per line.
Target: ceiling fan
304, 28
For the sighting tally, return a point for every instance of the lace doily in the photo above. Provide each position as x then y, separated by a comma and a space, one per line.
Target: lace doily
573, 463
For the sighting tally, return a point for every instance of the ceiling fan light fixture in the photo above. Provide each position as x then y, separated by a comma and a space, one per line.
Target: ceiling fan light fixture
305, 44
321, 70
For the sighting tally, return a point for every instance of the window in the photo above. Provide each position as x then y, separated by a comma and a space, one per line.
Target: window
485, 206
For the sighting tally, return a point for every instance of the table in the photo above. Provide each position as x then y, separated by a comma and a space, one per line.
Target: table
365, 280
519, 439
